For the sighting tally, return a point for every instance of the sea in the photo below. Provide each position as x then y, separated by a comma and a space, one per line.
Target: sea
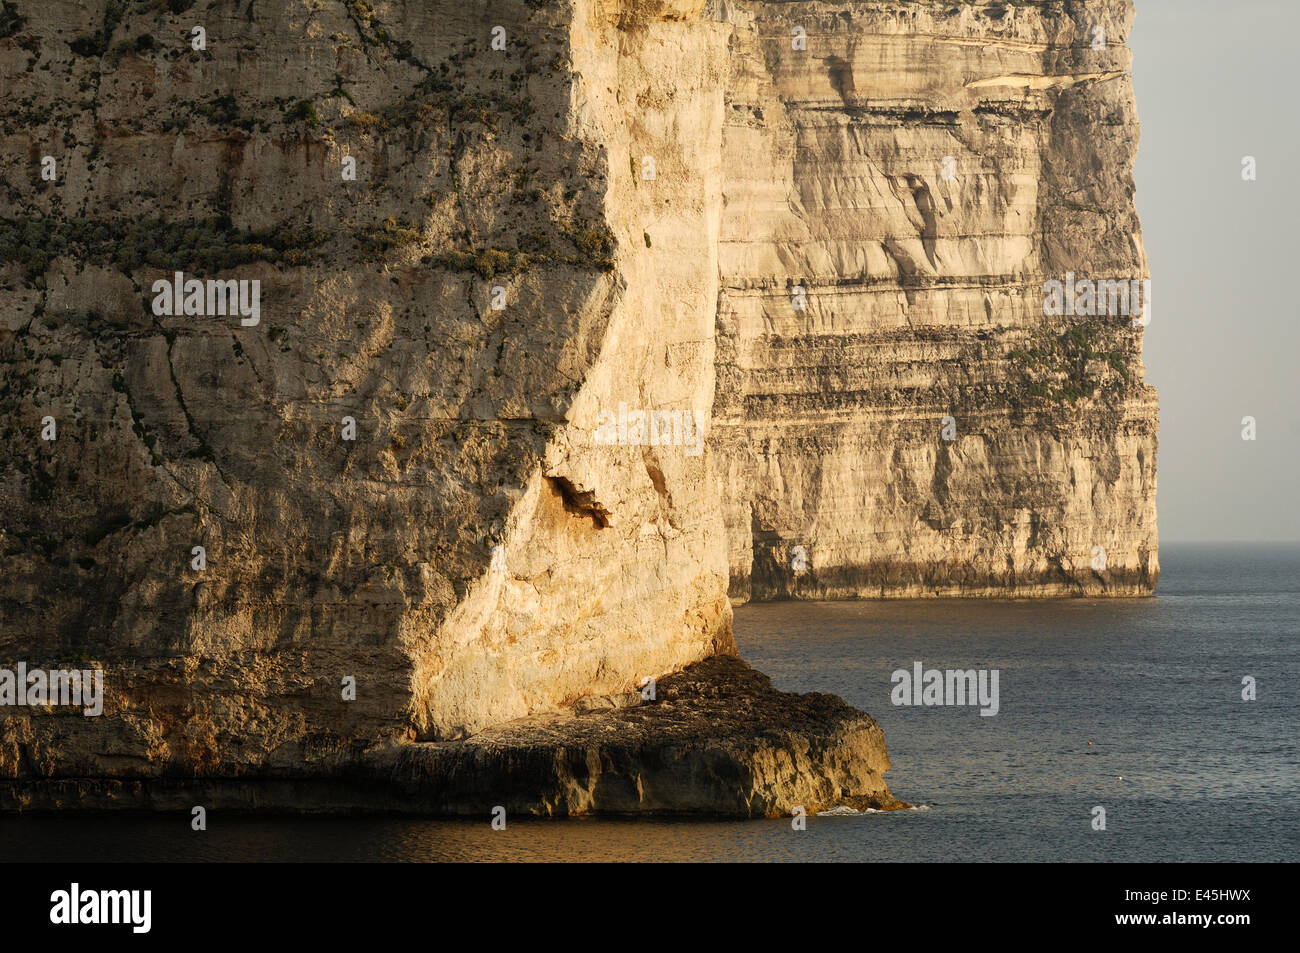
1126, 730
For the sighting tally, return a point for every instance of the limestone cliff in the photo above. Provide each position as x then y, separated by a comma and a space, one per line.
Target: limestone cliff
471, 556
480, 233
900, 181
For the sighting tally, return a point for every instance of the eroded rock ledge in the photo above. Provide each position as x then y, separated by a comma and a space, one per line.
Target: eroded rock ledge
718, 739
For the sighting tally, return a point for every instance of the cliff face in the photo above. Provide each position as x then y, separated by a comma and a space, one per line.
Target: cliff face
919, 171
525, 382
472, 555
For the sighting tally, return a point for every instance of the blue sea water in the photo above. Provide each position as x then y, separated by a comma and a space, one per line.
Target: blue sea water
1185, 769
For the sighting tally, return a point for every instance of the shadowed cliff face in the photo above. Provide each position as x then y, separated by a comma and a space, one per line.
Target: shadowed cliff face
918, 171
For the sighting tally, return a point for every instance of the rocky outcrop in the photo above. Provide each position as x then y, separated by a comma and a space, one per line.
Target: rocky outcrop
901, 179
716, 739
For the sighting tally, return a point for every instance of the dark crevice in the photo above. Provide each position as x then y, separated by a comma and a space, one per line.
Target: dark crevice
579, 502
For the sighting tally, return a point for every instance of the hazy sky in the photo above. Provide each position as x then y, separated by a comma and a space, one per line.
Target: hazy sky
1216, 81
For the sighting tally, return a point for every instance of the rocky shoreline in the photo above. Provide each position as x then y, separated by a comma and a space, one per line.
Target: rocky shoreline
717, 739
